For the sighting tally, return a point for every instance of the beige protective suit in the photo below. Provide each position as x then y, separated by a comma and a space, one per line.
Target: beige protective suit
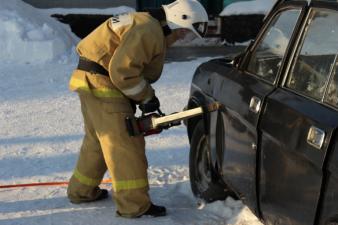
131, 47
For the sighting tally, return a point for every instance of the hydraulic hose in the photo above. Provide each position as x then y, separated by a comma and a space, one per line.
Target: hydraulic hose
62, 183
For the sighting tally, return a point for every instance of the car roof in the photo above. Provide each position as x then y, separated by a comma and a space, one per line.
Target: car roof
309, 1
279, 2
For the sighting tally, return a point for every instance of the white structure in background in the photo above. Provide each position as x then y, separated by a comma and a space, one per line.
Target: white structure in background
248, 7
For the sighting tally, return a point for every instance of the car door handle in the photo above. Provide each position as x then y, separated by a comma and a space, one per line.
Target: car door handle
255, 104
315, 137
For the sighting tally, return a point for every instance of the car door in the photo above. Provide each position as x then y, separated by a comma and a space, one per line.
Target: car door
243, 93
297, 124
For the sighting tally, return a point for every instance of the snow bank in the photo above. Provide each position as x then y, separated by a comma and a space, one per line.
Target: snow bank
248, 7
233, 211
108, 11
29, 36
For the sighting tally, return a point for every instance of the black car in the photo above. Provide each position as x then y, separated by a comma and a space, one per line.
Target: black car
273, 143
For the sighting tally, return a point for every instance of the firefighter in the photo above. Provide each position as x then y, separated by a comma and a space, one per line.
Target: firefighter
118, 63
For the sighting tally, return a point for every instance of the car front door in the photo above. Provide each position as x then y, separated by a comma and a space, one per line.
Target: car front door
243, 93
297, 125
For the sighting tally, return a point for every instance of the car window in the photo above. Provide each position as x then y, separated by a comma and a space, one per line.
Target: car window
315, 62
267, 58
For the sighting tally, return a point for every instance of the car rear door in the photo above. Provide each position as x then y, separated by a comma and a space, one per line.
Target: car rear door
243, 93
298, 122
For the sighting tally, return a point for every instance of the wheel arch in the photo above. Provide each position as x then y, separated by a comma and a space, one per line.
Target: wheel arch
197, 100
194, 102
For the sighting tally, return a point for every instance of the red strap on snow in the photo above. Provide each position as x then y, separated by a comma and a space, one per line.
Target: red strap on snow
64, 183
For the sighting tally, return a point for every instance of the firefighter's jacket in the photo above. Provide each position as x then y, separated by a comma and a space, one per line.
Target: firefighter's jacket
131, 47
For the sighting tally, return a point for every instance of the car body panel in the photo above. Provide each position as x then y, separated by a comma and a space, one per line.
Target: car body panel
291, 169
239, 157
329, 206
280, 157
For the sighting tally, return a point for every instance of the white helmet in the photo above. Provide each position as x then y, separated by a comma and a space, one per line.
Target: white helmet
189, 14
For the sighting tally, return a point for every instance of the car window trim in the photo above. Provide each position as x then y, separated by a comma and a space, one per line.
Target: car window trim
331, 76
294, 51
300, 5
323, 6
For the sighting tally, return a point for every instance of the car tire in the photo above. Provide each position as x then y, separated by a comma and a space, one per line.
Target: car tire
205, 184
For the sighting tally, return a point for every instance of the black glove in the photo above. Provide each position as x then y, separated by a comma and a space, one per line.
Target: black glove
150, 106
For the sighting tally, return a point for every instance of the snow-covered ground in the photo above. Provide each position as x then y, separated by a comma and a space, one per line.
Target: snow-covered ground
40, 136
41, 132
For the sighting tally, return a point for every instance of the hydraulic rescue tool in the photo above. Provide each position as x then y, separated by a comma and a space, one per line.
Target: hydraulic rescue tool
154, 123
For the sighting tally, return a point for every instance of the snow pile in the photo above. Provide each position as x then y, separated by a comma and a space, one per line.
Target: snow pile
248, 7
29, 36
108, 11
233, 211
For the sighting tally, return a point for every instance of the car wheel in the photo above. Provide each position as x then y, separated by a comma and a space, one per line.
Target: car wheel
204, 182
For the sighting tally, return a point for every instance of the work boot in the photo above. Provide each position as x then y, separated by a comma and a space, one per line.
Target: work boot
155, 211
103, 195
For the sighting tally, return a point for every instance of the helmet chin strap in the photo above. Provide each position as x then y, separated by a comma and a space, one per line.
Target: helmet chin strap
159, 14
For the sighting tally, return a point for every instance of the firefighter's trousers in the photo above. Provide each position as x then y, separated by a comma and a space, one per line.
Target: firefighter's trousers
107, 144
